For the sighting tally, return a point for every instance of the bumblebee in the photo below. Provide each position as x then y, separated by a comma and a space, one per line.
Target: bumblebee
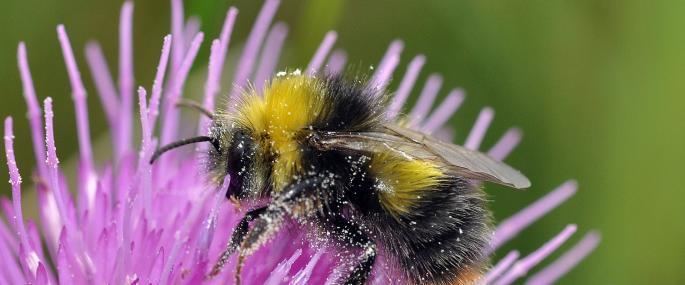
320, 151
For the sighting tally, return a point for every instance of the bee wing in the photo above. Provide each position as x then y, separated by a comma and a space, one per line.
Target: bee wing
469, 163
415, 145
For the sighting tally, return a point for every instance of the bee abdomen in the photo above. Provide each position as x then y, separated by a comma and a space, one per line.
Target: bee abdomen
443, 239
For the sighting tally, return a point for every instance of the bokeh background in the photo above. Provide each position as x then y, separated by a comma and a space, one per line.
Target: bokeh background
597, 86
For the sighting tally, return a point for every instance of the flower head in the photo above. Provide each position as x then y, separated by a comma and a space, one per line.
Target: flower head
129, 222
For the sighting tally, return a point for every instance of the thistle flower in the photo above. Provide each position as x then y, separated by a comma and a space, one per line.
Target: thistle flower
129, 222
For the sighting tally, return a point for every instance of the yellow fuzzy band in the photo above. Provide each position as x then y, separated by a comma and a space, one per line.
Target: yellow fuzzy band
402, 182
289, 105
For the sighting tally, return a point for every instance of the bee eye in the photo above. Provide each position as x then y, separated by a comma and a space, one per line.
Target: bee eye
239, 155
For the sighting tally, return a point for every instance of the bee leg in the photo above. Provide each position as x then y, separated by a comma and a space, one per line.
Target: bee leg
236, 239
263, 227
351, 235
295, 201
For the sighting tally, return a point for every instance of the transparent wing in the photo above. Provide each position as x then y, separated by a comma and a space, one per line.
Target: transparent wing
416, 145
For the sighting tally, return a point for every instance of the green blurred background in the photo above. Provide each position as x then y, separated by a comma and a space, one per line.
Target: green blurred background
597, 87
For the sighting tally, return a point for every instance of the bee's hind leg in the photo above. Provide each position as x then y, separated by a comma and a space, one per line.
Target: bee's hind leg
349, 234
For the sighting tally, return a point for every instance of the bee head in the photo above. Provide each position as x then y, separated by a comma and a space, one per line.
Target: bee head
239, 157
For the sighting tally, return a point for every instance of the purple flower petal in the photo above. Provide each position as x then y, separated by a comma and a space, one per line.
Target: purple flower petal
190, 30
444, 111
510, 227
29, 255
302, 277
159, 79
124, 134
479, 128
177, 22
321, 53
500, 267
170, 124
521, 267
406, 86
566, 262
103, 82
216, 66
387, 65
506, 144
426, 99
279, 273
270, 54
336, 62
252, 45
86, 172
34, 112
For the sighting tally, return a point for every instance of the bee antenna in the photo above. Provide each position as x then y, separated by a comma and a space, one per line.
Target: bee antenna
183, 142
195, 106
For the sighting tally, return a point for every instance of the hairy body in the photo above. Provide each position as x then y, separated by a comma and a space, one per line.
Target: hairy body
431, 224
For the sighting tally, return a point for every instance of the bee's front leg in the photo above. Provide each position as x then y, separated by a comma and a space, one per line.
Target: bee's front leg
236, 239
296, 200
299, 199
